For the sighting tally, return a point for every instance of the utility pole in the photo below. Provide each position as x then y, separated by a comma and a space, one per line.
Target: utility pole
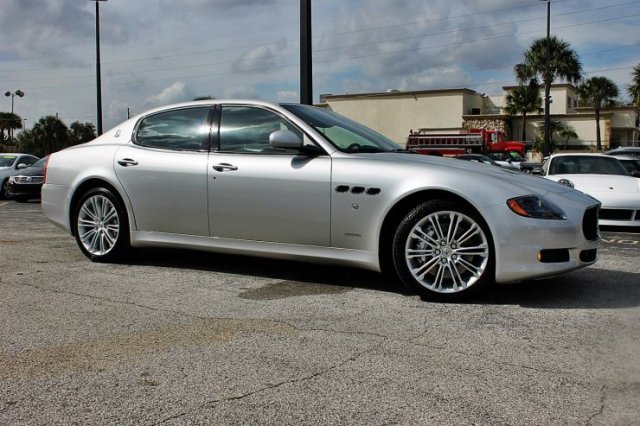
306, 73
546, 149
98, 75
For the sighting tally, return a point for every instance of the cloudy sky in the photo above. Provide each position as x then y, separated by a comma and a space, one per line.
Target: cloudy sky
156, 52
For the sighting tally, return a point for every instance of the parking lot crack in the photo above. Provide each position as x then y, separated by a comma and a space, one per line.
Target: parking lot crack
292, 381
603, 398
212, 403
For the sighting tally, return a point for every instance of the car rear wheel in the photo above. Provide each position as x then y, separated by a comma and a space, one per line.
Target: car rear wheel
443, 251
101, 226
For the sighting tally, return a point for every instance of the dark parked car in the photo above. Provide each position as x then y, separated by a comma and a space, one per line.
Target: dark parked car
26, 183
477, 158
633, 151
9, 164
632, 164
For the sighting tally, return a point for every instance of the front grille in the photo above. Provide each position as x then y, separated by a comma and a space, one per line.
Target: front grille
590, 224
28, 179
616, 214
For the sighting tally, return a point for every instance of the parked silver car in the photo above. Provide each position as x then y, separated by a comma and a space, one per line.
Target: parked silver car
297, 182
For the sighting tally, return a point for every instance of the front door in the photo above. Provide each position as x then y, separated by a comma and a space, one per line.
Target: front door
261, 193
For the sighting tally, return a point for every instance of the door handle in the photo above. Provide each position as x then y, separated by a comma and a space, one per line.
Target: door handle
224, 166
126, 162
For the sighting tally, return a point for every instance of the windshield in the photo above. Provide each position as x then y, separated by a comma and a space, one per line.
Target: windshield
584, 164
344, 134
7, 160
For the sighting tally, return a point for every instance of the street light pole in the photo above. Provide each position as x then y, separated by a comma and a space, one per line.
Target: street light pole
546, 149
20, 94
306, 79
98, 74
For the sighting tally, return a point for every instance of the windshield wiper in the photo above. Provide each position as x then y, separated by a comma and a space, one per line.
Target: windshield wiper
403, 150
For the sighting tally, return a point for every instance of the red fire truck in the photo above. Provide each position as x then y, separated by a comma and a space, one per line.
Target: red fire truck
477, 141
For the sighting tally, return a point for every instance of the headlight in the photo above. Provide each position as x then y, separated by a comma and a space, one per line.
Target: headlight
12, 179
535, 207
566, 182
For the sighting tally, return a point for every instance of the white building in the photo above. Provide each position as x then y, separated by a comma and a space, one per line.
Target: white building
394, 114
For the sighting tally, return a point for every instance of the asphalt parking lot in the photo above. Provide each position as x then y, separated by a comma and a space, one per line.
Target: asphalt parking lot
177, 337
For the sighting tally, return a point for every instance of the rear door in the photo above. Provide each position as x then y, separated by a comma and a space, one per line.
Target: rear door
164, 171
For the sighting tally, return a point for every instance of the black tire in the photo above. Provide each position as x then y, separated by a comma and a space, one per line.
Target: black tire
3, 189
444, 251
101, 226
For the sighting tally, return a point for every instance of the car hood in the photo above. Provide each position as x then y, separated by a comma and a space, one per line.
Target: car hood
530, 183
592, 184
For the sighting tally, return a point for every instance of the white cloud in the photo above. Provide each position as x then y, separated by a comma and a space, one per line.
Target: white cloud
176, 92
156, 52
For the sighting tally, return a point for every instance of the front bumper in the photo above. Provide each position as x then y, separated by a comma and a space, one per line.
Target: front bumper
23, 190
537, 248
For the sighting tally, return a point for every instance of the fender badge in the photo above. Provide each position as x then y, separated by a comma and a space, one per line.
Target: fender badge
117, 135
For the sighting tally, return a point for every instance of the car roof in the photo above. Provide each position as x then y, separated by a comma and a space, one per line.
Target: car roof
585, 154
625, 157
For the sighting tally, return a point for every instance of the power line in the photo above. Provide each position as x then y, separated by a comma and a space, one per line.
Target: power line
411, 50
403, 25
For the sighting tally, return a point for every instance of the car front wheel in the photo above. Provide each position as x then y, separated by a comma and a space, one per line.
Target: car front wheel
100, 225
443, 251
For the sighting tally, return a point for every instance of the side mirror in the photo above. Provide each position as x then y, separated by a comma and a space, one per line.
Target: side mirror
635, 173
21, 166
285, 139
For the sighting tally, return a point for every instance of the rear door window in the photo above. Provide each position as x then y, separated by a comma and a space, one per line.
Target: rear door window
184, 129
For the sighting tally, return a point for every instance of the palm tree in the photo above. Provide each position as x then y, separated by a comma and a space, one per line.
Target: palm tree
9, 122
634, 88
81, 132
596, 91
52, 133
565, 131
523, 100
563, 64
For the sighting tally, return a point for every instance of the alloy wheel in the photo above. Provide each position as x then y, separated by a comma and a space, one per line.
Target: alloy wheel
447, 252
98, 225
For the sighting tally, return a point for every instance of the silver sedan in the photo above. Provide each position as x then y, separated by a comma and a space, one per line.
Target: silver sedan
297, 182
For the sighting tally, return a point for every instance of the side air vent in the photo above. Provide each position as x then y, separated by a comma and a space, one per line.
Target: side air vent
358, 190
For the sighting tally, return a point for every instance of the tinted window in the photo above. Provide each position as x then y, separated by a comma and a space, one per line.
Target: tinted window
27, 160
247, 129
181, 129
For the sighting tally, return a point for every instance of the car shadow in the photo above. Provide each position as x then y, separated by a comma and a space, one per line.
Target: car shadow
285, 270
589, 288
